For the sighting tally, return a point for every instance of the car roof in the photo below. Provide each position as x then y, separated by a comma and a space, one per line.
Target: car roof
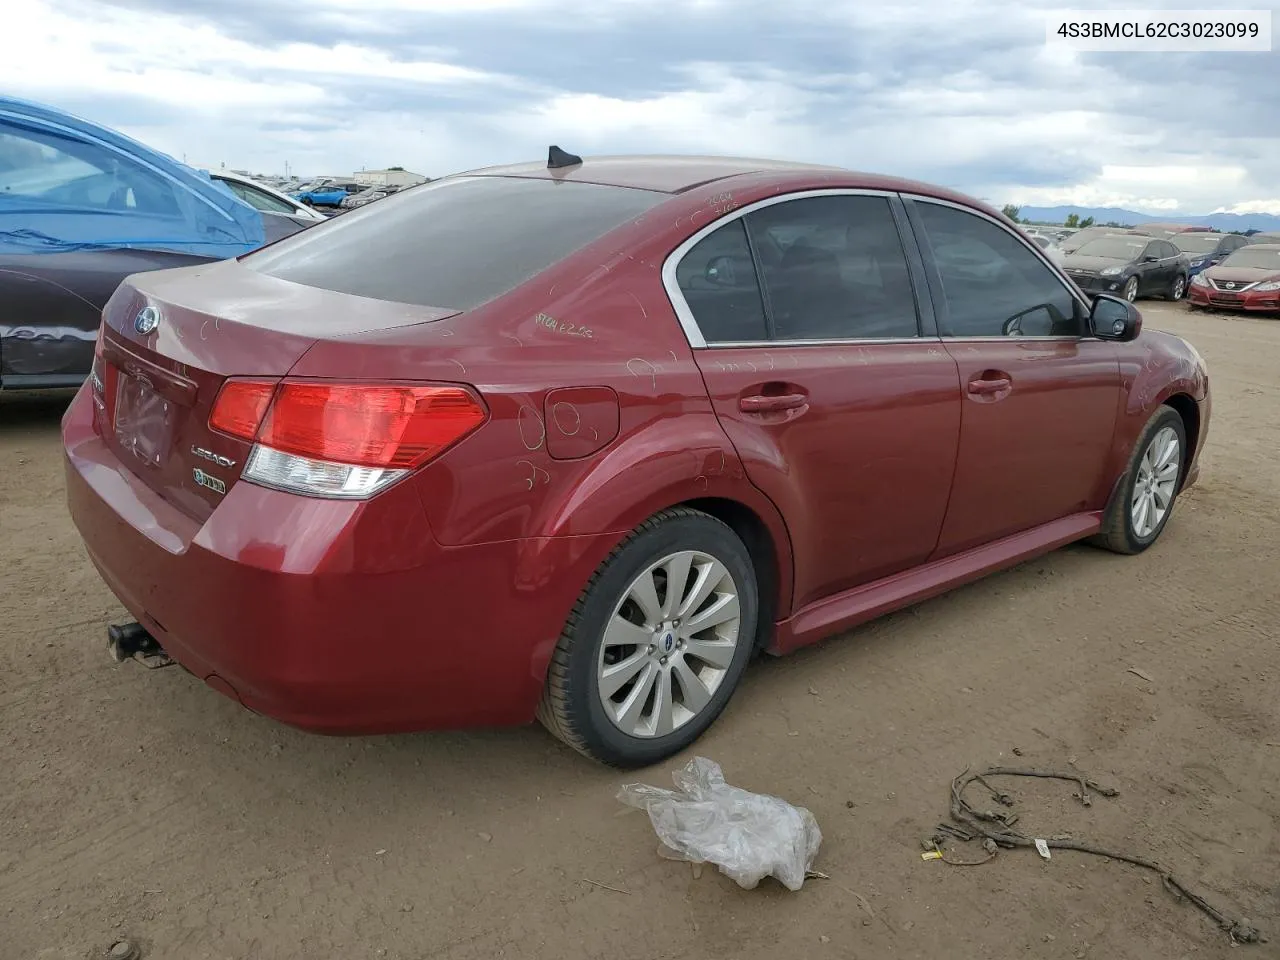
1262, 246
677, 174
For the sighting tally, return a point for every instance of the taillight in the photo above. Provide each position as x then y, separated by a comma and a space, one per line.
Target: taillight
346, 440
240, 407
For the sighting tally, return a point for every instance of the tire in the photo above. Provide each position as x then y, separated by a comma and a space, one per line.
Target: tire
573, 706
1121, 532
1130, 289
1178, 289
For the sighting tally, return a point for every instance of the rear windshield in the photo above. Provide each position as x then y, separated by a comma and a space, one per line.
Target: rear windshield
453, 243
1196, 242
1117, 248
1263, 257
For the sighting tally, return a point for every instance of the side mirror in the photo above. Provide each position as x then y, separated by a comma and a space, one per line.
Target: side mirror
1114, 318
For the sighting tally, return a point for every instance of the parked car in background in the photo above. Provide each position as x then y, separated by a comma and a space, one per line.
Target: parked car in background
1204, 249
1264, 237
1166, 230
576, 441
1082, 236
1051, 249
367, 195
1248, 279
281, 214
327, 193
1130, 265
81, 208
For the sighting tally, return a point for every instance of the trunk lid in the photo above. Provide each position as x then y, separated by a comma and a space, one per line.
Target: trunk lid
171, 338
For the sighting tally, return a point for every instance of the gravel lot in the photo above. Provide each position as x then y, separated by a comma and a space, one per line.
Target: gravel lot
141, 803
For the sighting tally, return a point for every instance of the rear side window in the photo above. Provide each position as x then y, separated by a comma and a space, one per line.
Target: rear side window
834, 269
718, 280
454, 243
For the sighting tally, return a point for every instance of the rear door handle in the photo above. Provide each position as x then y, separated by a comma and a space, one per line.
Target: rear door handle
989, 386
772, 404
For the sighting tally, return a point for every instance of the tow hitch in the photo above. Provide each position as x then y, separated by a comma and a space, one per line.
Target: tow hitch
131, 640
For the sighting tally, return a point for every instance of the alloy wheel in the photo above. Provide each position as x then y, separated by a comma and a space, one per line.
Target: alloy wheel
1131, 289
1179, 288
669, 644
1155, 483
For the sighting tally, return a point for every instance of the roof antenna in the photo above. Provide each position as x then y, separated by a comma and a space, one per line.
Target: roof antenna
557, 158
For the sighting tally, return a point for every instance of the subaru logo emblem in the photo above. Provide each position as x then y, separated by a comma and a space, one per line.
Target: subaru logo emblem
147, 320
668, 643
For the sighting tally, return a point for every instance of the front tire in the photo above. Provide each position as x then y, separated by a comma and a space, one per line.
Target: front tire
1144, 500
1178, 289
656, 644
1130, 290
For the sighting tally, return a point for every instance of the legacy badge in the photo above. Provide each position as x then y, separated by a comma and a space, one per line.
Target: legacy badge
208, 482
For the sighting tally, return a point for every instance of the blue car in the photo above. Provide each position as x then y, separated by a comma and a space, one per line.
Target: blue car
326, 193
1206, 249
81, 208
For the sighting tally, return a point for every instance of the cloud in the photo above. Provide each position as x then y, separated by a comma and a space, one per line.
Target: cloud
964, 93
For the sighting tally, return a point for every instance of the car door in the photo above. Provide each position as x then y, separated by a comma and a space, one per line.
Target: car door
1039, 393
1171, 264
843, 409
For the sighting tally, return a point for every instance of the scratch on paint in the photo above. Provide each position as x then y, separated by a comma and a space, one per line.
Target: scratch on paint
643, 311
552, 291
534, 470
652, 370
459, 363
769, 357
555, 415
521, 424
674, 358
447, 333
512, 336
595, 435
703, 480
202, 333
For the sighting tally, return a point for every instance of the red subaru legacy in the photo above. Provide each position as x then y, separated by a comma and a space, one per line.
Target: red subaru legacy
575, 440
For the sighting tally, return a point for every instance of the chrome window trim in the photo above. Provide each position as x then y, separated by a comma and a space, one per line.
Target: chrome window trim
783, 344
1058, 274
678, 303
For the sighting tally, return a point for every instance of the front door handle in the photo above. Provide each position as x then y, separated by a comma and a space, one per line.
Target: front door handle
761, 403
985, 387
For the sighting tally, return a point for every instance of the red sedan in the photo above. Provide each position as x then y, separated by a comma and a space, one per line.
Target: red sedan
1248, 280
576, 440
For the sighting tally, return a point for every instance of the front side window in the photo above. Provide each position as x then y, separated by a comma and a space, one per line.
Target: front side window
993, 285
833, 268
258, 199
68, 173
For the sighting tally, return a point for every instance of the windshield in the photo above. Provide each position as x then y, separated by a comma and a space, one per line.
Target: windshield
1113, 248
1261, 257
1196, 242
454, 243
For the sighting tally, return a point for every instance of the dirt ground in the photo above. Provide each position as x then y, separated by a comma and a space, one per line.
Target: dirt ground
140, 803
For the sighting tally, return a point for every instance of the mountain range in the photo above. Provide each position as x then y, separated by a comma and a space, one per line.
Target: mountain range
1218, 221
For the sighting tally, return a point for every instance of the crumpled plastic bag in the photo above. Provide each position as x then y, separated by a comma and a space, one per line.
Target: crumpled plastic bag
749, 836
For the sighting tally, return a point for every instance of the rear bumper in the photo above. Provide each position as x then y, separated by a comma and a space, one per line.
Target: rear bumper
1256, 303
330, 616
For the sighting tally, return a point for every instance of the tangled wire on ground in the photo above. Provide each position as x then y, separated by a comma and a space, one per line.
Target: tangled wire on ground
996, 829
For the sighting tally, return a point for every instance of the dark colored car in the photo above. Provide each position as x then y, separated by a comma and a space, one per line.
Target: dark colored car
81, 208
1204, 249
1248, 280
1130, 265
576, 441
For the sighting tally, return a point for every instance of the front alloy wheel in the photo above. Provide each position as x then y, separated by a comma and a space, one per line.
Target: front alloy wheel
1146, 494
1131, 289
1179, 287
656, 643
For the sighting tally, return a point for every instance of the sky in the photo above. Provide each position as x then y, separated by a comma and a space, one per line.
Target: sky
963, 93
